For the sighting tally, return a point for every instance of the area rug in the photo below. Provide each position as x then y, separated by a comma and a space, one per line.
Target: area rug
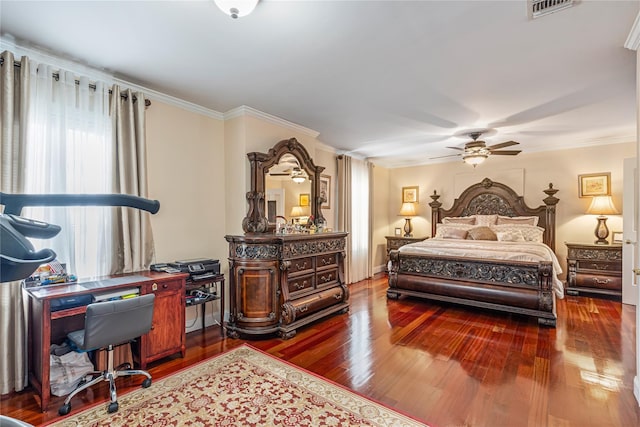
243, 387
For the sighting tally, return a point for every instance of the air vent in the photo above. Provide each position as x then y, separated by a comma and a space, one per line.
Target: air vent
538, 8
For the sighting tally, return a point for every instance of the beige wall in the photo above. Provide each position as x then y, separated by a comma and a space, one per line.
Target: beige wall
530, 171
380, 218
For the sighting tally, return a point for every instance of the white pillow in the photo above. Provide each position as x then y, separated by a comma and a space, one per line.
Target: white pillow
486, 220
443, 230
517, 220
510, 236
531, 233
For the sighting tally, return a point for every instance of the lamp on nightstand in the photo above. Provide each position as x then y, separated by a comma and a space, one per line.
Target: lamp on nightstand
601, 206
408, 210
296, 213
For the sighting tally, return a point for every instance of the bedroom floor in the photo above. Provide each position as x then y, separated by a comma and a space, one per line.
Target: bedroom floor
448, 365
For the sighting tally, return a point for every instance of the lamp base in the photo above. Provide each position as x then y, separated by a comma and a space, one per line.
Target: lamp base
602, 231
407, 228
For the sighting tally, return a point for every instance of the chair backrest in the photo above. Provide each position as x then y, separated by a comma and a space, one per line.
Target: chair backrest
116, 322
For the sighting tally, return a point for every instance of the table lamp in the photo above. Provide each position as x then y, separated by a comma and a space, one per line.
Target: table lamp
408, 210
296, 212
601, 206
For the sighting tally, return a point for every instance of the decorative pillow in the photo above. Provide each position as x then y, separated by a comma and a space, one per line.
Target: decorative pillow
459, 220
530, 233
454, 233
482, 233
486, 219
510, 236
441, 229
517, 220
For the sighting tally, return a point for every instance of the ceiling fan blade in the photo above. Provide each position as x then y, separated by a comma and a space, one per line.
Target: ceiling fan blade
442, 157
503, 145
506, 152
456, 148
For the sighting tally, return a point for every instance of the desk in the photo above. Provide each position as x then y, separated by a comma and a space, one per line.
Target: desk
217, 282
167, 335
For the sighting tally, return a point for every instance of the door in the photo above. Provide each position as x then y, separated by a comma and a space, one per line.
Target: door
629, 230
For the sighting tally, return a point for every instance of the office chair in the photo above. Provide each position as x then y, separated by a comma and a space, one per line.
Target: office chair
108, 324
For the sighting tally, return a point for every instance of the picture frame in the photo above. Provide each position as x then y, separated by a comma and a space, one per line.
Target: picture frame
398, 231
594, 184
304, 199
410, 194
616, 237
325, 191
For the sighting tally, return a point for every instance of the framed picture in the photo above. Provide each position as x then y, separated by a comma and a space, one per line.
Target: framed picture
398, 231
594, 184
410, 194
304, 199
325, 191
616, 237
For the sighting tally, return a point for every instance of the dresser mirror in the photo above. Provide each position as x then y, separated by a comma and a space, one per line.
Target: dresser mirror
284, 183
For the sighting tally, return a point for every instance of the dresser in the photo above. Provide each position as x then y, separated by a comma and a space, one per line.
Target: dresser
594, 269
279, 283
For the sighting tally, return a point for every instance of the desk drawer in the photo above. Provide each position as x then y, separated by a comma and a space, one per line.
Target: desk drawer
164, 286
327, 260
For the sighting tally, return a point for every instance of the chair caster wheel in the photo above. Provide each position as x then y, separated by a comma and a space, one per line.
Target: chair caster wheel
113, 407
64, 409
146, 383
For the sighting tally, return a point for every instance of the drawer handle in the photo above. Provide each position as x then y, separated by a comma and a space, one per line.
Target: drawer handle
326, 261
601, 282
301, 267
303, 308
165, 286
338, 296
326, 278
302, 285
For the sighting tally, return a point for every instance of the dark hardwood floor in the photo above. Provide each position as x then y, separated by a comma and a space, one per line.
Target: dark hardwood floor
446, 365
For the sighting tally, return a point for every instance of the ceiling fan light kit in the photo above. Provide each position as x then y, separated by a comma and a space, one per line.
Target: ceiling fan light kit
476, 152
236, 8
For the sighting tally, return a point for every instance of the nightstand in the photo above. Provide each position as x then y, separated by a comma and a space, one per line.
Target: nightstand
394, 242
594, 268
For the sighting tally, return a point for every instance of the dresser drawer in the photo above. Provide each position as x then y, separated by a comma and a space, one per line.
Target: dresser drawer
326, 277
596, 266
302, 307
599, 281
326, 260
301, 283
301, 266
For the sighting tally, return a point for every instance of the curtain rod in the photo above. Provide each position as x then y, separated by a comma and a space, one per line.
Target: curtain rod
56, 76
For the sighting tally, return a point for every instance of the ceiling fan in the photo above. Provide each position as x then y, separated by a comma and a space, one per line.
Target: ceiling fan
476, 152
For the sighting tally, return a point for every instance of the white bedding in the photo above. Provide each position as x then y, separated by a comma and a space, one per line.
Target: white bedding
488, 249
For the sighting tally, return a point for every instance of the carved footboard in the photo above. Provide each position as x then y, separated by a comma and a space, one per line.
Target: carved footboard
511, 286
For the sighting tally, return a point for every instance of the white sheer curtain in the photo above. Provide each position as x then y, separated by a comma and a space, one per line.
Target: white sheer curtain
68, 149
354, 215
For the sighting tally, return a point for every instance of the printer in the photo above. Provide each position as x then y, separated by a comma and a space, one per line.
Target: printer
198, 269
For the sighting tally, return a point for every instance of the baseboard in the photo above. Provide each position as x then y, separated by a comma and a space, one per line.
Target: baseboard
379, 269
636, 389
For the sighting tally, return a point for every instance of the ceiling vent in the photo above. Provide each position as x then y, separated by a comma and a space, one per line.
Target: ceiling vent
538, 8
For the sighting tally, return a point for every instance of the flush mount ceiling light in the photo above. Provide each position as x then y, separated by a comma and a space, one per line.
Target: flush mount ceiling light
236, 8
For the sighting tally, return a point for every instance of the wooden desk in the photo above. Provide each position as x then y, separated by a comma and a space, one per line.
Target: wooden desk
167, 335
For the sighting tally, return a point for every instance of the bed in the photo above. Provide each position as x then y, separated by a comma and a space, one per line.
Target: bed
489, 250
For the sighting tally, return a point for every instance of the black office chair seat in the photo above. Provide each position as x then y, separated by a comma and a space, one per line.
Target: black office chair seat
108, 324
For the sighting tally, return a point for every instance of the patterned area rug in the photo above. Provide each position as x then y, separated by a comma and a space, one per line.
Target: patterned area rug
243, 387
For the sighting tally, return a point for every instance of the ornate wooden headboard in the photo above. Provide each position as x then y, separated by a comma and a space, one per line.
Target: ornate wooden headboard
488, 197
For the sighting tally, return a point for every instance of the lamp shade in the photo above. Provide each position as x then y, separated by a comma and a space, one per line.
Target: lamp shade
296, 211
602, 205
236, 8
408, 209
475, 159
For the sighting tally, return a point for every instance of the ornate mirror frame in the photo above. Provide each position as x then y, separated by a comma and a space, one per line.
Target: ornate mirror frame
256, 220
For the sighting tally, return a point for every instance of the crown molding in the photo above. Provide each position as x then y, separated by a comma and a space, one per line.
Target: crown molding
244, 110
633, 40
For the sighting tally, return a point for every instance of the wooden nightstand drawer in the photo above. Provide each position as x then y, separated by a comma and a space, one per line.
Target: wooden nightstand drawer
301, 265
584, 265
599, 282
301, 283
